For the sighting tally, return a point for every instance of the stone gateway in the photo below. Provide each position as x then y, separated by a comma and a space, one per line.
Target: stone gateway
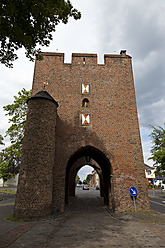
86, 115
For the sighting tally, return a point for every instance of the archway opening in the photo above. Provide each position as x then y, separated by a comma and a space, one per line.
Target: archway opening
99, 162
87, 182
84, 175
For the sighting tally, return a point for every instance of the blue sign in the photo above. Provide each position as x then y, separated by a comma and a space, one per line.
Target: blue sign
133, 191
155, 180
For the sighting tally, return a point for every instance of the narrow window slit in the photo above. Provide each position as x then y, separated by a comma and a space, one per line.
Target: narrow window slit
85, 103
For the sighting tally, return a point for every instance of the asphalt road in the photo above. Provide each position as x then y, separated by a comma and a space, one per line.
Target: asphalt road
87, 223
91, 192
156, 197
157, 200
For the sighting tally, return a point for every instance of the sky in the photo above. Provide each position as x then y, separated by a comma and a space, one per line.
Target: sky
107, 27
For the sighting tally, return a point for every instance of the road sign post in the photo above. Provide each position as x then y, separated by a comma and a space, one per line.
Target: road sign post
154, 181
153, 189
134, 203
133, 192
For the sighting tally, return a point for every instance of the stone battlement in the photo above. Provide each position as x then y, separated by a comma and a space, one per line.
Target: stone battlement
85, 58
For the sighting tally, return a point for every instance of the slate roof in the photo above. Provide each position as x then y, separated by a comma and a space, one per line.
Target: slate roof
149, 167
43, 94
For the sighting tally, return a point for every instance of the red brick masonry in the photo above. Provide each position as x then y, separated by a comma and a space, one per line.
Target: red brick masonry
110, 136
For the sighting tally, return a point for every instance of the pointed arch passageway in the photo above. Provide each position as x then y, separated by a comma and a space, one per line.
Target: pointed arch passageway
89, 155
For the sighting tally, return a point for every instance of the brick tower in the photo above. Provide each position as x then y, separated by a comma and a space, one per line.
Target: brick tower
96, 124
35, 187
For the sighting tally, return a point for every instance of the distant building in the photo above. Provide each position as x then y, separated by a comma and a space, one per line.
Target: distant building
11, 182
151, 174
95, 180
161, 181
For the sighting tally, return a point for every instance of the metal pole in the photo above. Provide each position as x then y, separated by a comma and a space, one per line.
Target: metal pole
153, 189
134, 203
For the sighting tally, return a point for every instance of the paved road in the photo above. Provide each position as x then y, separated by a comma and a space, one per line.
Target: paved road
157, 200
156, 197
6, 209
87, 224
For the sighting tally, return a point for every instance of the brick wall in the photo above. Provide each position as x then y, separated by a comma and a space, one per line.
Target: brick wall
113, 128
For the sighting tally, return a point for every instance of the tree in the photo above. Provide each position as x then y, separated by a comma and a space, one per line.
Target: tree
77, 179
88, 178
29, 23
84, 181
80, 182
4, 173
1, 140
17, 112
12, 155
158, 149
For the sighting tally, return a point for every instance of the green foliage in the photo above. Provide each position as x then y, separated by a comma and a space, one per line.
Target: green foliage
10, 192
12, 154
29, 23
17, 112
88, 178
12, 218
158, 148
77, 179
4, 173
1, 140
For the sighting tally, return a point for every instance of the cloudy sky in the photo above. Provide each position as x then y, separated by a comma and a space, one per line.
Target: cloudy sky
106, 27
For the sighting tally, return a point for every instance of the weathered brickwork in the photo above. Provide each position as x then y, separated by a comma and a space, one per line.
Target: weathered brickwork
112, 137
35, 187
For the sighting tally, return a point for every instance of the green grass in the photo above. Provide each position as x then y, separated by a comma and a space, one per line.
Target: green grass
138, 211
127, 211
12, 218
13, 192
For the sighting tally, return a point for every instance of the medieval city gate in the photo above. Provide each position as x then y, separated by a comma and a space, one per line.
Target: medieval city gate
86, 115
97, 160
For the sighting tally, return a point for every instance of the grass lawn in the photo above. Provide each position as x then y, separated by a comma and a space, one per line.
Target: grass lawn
13, 192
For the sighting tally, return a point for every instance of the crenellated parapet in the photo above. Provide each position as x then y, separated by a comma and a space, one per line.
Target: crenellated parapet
83, 58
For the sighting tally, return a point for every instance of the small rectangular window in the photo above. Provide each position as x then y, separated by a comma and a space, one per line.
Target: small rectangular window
85, 118
85, 88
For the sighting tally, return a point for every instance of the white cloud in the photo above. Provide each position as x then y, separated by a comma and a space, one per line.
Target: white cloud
146, 144
107, 26
84, 171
